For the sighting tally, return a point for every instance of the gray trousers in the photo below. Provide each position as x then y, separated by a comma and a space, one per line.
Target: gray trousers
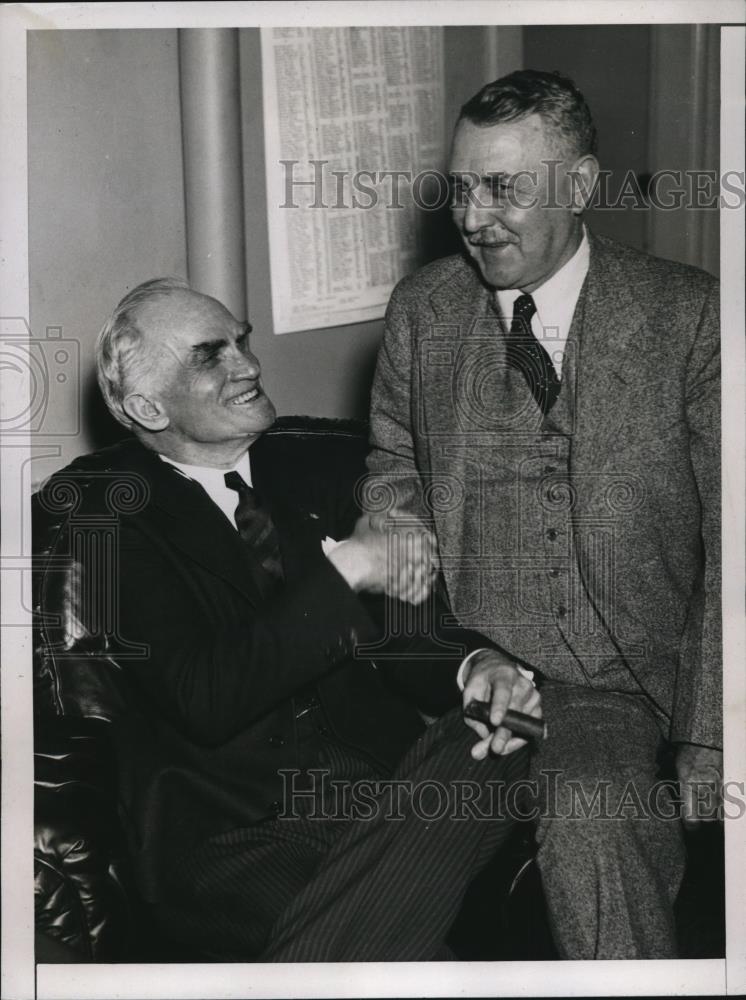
611, 870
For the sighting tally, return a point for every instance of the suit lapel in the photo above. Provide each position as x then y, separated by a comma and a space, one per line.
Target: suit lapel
458, 300
462, 343
186, 515
299, 531
180, 511
610, 358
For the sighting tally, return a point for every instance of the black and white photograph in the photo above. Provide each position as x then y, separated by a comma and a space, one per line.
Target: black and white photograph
373, 492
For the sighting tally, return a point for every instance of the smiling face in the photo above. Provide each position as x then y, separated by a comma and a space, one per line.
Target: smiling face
505, 221
201, 399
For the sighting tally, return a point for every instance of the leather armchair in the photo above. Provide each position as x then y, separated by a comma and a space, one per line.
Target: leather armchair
84, 897
87, 906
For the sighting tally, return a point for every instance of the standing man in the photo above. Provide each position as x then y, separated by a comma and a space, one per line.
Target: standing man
563, 390
241, 700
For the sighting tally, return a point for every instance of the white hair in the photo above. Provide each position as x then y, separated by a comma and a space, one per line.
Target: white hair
120, 358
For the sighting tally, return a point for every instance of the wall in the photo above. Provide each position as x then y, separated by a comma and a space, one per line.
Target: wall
685, 136
106, 200
328, 372
654, 95
610, 66
107, 210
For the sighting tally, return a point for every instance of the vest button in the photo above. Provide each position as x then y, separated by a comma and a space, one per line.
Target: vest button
549, 469
552, 534
554, 572
561, 611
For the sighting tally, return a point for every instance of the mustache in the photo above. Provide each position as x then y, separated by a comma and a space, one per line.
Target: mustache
491, 241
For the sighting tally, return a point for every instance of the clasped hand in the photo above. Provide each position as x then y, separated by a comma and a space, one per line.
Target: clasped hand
389, 554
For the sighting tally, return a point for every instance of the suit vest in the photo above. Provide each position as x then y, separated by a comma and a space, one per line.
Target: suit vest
523, 568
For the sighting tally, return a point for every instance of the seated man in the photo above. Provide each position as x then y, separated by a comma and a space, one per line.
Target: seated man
237, 618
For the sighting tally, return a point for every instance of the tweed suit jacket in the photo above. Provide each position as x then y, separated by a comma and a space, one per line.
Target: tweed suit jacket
448, 418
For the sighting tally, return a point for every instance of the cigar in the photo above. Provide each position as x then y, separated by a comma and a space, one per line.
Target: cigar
520, 724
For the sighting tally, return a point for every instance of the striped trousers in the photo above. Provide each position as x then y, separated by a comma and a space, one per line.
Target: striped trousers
329, 885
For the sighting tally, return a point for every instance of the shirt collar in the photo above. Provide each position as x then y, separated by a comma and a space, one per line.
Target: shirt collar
559, 294
211, 478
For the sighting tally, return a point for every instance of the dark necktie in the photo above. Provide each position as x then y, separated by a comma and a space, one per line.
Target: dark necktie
525, 353
257, 530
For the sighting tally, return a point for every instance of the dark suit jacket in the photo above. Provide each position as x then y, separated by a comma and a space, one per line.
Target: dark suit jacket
209, 670
644, 451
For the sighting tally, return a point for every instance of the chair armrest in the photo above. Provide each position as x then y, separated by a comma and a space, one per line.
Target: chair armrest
83, 892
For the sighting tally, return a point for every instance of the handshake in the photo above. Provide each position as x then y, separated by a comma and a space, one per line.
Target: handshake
389, 553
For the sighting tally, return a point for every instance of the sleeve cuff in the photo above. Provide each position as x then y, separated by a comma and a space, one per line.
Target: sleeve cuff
466, 664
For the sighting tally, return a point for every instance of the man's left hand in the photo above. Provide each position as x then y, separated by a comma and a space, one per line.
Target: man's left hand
700, 774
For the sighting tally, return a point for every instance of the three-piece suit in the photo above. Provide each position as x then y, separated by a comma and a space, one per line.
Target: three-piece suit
585, 543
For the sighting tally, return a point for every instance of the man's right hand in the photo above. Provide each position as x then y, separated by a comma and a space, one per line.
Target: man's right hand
700, 773
496, 679
387, 557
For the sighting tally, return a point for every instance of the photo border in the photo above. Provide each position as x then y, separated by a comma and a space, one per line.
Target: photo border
20, 979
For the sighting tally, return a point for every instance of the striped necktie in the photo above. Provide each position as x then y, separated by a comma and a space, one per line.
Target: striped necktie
525, 353
258, 532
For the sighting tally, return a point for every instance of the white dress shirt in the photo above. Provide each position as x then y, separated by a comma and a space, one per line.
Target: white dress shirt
213, 482
555, 303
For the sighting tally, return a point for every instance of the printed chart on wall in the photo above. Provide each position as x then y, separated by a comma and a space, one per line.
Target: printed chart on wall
354, 148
